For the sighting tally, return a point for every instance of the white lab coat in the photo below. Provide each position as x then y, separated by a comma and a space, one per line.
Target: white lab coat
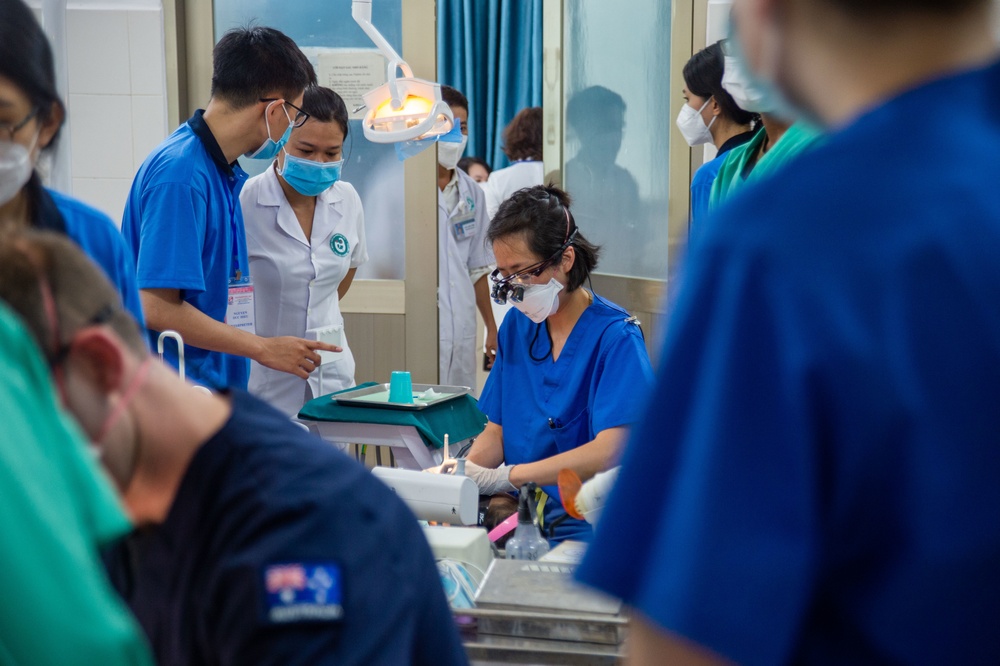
504, 182
295, 280
458, 257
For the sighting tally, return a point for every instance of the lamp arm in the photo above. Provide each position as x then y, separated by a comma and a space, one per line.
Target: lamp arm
361, 11
391, 68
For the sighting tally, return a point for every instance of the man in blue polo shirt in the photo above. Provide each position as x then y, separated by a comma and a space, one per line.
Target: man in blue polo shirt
183, 220
817, 480
257, 543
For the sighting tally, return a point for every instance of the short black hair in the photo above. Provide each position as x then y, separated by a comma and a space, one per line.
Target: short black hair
466, 162
252, 62
870, 8
326, 106
452, 97
541, 215
26, 59
703, 77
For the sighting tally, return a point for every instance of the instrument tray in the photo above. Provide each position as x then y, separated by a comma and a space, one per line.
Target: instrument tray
377, 396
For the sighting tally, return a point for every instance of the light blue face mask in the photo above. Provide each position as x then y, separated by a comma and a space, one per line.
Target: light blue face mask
270, 148
308, 177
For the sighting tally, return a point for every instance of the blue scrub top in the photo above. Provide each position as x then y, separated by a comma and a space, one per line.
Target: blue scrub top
96, 235
184, 225
704, 177
279, 549
600, 381
821, 469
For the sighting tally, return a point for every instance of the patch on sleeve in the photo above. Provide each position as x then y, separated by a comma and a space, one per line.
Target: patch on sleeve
303, 592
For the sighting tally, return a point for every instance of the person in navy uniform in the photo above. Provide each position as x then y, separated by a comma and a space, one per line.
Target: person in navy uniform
256, 542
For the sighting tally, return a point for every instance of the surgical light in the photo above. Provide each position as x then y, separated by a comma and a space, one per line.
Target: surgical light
404, 108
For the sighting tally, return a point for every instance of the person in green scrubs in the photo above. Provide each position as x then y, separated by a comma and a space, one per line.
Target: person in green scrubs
772, 147
58, 508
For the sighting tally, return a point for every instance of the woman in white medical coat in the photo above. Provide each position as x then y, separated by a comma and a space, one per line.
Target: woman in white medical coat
305, 238
522, 143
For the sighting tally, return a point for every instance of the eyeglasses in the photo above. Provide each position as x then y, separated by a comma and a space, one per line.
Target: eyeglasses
513, 285
300, 117
13, 129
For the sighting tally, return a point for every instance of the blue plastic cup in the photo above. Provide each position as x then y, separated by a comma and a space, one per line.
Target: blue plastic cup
400, 387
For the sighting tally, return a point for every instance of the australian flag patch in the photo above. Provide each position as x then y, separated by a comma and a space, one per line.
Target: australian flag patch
303, 592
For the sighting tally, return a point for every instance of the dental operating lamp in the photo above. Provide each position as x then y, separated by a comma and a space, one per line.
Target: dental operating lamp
403, 108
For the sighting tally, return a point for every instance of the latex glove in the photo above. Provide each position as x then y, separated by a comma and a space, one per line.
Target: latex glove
491, 480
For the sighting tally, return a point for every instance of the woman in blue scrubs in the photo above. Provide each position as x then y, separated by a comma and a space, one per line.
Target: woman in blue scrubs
31, 115
571, 372
710, 115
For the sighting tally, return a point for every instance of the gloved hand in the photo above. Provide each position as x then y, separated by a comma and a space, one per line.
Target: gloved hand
491, 480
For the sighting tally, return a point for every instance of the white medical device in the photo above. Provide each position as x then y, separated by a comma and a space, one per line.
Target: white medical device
594, 494
443, 498
176, 337
402, 109
470, 546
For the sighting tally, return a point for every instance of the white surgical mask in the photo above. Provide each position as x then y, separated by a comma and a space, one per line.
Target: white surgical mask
757, 92
745, 91
692, 125
540, 301
15, 168
450, 153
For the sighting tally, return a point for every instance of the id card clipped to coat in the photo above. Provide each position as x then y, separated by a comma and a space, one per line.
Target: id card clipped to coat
240, 309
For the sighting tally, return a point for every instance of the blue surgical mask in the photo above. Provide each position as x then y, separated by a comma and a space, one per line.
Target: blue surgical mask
270, 148
308, 177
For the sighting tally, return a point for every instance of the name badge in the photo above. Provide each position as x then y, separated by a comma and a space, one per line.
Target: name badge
464, 228
240, 310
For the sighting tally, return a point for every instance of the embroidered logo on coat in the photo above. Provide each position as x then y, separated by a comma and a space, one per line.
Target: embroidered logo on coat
303, 592
339, 245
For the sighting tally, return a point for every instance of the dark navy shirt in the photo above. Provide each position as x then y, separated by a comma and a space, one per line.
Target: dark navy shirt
278, 549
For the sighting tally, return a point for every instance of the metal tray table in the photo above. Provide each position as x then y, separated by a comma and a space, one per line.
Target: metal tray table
372, 397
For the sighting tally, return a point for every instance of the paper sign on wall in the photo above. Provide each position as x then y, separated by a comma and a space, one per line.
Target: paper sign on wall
351, 73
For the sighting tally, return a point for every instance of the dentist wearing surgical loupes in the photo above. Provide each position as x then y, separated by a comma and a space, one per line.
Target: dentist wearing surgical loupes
305, 241
572, 372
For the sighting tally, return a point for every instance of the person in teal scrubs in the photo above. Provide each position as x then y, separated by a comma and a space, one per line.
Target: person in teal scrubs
773, 146
58, 509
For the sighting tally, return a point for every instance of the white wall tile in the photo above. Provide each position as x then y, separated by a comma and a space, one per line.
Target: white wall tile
101, 139
146, 52
106, 194
98, 51
149, 126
